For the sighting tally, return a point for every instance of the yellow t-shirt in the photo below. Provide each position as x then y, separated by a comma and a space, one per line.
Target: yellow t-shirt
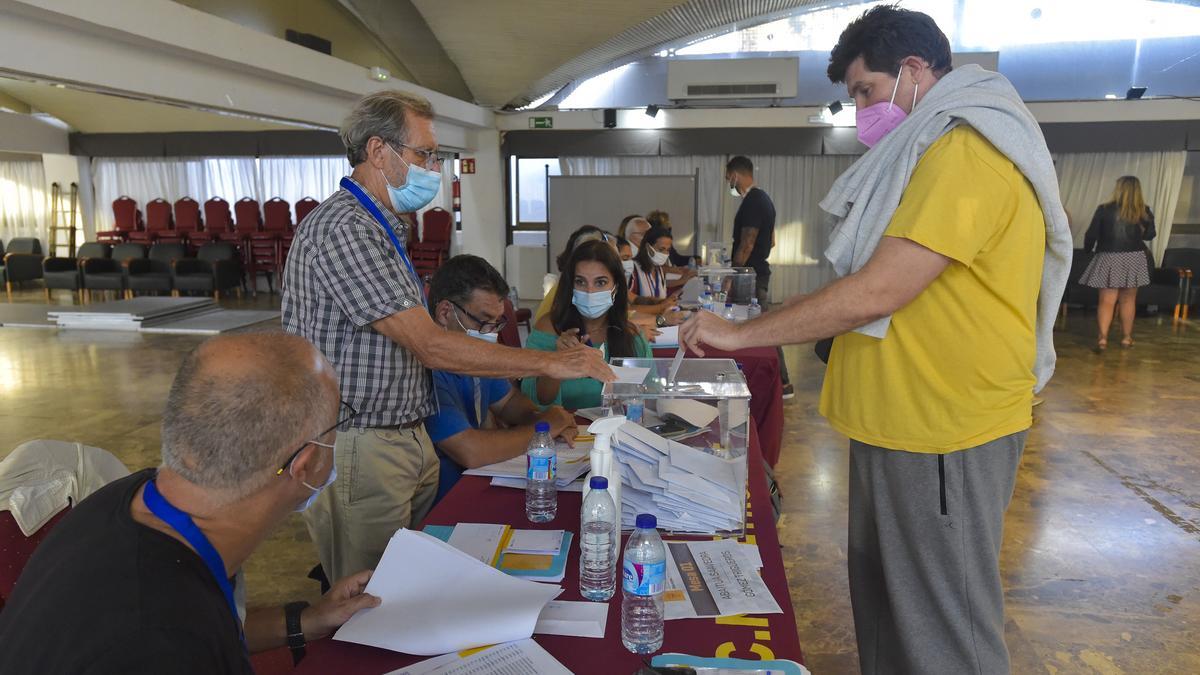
955, 369
546, 304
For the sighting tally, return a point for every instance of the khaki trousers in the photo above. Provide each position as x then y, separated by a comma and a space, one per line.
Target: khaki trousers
387, 479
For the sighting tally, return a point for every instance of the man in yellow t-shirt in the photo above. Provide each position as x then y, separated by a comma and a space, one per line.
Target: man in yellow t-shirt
937, 410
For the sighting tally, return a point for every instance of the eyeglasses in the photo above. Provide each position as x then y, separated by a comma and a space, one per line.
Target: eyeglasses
429, 158
484, 326
346, 413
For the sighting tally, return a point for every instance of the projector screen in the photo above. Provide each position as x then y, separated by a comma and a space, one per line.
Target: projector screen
604, 201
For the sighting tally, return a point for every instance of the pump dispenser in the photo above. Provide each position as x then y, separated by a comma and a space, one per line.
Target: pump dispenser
603, 462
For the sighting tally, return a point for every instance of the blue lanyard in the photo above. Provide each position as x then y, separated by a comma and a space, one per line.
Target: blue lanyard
186, 527
369, 205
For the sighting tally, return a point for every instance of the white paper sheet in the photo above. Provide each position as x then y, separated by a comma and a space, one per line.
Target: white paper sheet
519, 484
675, 363
478, 540
630, 374
572, 463
574, 619
437, 599
714, 578
536, 542
523, 656
693, 412
667, 337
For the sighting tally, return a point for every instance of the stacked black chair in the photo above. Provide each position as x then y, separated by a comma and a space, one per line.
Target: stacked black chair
111, 274
66, 273
153, 273
217, 267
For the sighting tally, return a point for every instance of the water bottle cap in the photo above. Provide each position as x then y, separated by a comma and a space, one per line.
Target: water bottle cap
598, 483
729, 304
542, 427
646, 521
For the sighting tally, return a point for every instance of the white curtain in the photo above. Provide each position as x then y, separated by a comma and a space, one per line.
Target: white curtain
712, 180
1086, 180
230, 178
796, 184
294, 178
24, 202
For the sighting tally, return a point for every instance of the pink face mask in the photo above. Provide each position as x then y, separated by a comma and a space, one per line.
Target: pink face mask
876, 121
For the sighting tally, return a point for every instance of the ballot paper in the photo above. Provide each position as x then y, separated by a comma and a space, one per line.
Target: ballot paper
437, 599
713, 578
573, 619
535, 542
688, 489
630, 374
481, 541
675, 363
667, 337
523, 656
695, 413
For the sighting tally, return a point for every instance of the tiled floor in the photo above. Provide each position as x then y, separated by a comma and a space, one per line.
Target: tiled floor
1101, 556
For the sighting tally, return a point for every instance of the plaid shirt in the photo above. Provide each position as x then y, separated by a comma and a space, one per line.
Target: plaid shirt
343, 273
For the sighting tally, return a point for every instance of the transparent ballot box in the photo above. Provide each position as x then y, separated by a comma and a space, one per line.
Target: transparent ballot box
736, 283
705, 408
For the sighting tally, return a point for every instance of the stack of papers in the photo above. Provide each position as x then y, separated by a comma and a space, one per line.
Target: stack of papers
437, 599
714, 578
572, 464
539, 555
687, 489
667, 337
522, 656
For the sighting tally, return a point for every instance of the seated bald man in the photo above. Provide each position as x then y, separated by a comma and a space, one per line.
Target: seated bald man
143, 576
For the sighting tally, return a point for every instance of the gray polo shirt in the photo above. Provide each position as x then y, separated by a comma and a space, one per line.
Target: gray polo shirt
342, 274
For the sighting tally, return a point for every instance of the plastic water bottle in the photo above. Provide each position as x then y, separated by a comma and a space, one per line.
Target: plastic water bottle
729, 314
598, 543
541, 467
706, 299
754, 310
643, 576
635, 408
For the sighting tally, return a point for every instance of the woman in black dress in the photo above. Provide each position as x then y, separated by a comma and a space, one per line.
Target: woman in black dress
1122, 261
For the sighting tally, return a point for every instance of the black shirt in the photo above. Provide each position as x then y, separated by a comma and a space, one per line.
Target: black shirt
105, 594
1110, 233
757, 212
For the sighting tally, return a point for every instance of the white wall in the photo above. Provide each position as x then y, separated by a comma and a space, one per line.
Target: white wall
27, 134
483, 193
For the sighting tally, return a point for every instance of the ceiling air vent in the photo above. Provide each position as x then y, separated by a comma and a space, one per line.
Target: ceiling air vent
738, 78
743, 90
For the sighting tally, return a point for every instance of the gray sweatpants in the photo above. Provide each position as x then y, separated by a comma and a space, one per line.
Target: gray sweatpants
924, 557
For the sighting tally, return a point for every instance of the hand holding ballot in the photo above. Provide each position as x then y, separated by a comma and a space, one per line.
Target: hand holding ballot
710, 329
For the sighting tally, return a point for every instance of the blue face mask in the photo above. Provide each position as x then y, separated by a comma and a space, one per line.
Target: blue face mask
592, 305
418, 190
317, 490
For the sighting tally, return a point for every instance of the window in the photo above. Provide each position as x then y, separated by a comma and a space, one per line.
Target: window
527, 190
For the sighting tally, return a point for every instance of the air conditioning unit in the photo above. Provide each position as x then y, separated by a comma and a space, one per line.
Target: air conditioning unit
732, 78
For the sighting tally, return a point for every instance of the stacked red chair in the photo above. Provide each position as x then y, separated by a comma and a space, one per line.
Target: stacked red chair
160, 225
433, 246
266, 255
189, 225
304, 207
127, 218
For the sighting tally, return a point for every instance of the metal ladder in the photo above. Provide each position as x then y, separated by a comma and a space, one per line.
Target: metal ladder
62, 236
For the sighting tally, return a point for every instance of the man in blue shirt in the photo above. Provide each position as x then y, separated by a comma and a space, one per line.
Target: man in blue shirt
480, 420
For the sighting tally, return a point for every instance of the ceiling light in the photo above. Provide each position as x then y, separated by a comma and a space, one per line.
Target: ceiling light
1134, 93
1111, 97
652, 110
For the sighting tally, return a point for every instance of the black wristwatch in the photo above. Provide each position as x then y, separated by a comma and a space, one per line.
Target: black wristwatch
295, 634
661, 321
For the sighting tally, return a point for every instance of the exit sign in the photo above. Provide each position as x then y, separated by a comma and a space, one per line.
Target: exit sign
541, 122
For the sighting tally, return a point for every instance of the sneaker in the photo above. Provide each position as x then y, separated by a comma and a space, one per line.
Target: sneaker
788, 392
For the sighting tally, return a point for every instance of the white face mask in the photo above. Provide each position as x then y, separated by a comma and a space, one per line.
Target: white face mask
316, 491
471, 332
659, 258
628, 266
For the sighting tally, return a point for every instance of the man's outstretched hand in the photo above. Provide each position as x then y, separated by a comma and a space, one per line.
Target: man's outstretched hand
710, 329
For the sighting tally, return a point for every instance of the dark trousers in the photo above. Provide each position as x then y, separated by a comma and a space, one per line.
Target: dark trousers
923, 553
762, 291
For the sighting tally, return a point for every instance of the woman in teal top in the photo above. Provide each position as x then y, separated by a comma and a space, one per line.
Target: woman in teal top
592, 310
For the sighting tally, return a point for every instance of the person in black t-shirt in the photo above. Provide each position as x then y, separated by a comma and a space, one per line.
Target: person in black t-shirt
122, 585
754, 237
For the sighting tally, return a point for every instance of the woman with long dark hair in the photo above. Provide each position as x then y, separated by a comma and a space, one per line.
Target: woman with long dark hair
1122, 262
590, 307
649, 282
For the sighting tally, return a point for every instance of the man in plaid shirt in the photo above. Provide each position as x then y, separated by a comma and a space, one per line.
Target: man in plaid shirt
354, 295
